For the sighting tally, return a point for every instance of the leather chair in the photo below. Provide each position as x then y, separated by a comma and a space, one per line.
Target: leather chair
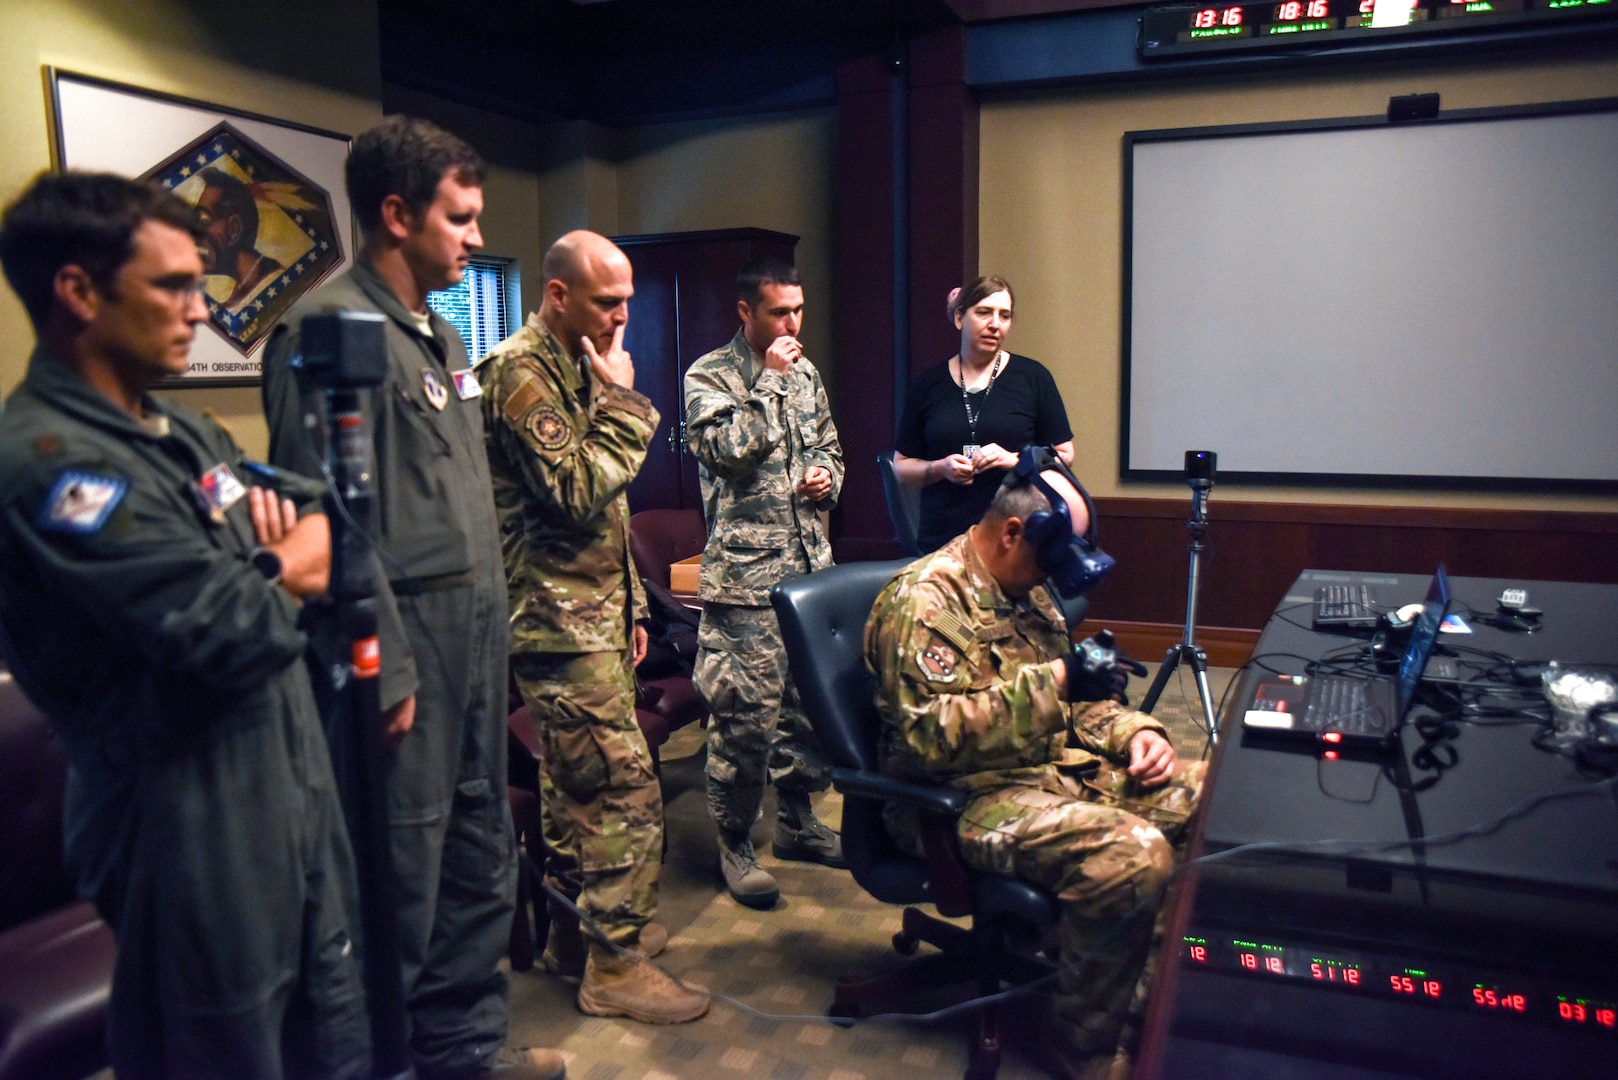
56, 955
904, 504
823, 619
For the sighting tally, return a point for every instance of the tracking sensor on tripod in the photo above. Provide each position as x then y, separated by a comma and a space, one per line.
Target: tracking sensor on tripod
1200, 466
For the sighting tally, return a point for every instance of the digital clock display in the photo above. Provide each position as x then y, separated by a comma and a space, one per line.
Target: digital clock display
1390, 977
1169, 30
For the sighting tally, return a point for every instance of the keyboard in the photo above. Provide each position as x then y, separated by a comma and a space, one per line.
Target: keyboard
1345, 606
1353, 706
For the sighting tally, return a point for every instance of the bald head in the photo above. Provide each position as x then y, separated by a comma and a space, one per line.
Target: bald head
588, 283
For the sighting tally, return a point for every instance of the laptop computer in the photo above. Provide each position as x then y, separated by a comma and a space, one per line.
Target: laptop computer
1350, 711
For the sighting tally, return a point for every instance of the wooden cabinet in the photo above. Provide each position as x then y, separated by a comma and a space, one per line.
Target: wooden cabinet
684, 306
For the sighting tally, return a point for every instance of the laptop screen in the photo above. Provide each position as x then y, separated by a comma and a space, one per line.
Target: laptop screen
1422, 636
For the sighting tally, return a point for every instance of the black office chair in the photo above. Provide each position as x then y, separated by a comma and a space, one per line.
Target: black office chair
822, 620
904, 504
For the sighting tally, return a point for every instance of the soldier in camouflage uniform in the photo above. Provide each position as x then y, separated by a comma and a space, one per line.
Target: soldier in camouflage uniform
759, 423
970, 654
566, 434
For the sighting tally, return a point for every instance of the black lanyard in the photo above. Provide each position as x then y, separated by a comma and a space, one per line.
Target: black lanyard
966, 399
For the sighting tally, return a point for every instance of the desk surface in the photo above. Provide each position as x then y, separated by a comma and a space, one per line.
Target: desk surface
1268, 796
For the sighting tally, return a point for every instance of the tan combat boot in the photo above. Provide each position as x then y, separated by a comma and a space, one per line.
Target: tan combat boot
748, 883
628, 984
801, 836
565, 952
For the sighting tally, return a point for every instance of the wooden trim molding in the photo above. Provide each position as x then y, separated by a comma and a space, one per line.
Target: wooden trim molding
1256, 550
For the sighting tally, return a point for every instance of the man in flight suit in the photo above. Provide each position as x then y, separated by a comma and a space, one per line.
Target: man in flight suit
759, 423
975, 676
417, 193
567, 434
150, 601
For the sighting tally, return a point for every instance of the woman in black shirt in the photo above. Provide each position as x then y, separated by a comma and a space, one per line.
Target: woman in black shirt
965, 421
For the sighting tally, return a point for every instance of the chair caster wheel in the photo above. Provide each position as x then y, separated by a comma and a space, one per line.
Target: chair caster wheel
904, 944
843, 1015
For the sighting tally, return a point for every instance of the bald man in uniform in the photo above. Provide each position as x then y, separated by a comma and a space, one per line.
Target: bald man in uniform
566, 434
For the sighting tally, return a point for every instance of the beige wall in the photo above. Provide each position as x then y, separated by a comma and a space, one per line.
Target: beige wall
307, 61
1050, 221
769, 172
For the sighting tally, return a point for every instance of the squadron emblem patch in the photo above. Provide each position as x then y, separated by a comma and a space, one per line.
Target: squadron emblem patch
437, 395
937, 661
551, 429
81, 503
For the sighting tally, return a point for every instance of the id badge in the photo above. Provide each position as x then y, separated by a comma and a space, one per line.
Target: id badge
970, 450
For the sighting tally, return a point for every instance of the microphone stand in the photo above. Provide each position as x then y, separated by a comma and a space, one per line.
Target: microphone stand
1188, 650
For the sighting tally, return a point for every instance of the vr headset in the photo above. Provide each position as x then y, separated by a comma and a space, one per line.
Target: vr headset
1074, 564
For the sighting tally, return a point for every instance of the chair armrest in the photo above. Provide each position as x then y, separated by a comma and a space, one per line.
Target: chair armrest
930, 798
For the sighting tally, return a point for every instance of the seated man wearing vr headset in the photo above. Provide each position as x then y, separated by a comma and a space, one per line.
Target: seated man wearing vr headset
977, 684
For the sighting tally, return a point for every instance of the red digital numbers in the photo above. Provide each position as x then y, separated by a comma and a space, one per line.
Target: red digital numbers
1292, 9
1577, 1012
1249, 961
1335, 973
1432, 988
1199, 953
1316, 9
1492, 999
1402, 984
1211, 17
1273, 964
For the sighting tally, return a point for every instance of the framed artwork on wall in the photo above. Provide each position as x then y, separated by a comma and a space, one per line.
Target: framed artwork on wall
270, 195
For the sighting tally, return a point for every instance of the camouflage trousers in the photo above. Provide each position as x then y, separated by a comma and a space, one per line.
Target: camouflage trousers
600, 801
758, 732
1106, 849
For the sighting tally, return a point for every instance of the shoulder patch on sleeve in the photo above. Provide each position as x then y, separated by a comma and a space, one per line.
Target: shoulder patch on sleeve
80, 503
951, 628
937, 661
550, 428
521, 400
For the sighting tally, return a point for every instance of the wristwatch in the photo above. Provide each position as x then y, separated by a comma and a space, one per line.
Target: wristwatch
267, 563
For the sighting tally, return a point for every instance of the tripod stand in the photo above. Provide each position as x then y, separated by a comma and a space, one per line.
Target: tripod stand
1199, 467
344, 354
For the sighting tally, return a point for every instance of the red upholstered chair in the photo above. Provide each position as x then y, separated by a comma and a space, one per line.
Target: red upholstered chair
659, 538
532, 920
56, 955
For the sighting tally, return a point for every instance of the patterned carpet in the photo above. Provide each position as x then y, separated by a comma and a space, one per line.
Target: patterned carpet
777, 967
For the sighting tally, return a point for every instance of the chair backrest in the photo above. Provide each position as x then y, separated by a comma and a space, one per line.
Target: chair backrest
658, 538
904, 504
33, 778
822, 618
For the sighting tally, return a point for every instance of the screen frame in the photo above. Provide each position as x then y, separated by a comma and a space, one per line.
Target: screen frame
1403, 480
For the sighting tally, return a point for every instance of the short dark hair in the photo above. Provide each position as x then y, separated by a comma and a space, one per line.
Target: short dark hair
234, 201
977, 289
82, 219
755, 275
1015, 498
407, 157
